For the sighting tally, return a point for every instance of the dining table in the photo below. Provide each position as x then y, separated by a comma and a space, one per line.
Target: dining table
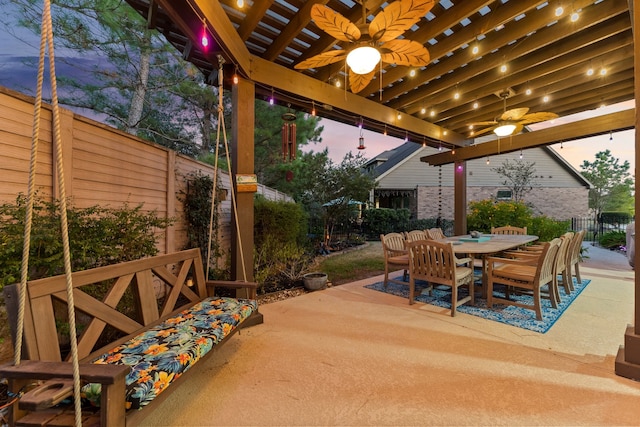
486, 245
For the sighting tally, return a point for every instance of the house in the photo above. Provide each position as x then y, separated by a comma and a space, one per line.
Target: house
403, 181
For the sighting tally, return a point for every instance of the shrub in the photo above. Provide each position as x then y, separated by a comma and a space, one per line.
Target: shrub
281, 254
615, 217
98, 236
197, 210
485, 214
613, 239
383, 220
548, 229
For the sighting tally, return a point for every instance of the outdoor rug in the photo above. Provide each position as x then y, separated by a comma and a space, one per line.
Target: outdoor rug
511, 315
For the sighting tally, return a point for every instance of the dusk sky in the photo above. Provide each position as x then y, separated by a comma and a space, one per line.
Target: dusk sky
20, 48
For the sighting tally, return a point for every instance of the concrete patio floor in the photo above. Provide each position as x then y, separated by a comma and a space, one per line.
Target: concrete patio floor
353, 356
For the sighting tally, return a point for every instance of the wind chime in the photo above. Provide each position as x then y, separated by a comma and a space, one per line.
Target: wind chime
289, 146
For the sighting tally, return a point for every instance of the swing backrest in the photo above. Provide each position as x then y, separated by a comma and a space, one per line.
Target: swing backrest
132, 296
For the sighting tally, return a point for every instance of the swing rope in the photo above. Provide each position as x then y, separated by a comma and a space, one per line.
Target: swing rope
222, 129
47, 37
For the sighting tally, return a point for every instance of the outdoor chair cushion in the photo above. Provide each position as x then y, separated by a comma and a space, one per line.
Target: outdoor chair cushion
160, 355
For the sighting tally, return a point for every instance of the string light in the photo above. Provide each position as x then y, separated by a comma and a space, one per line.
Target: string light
204, 38
272, 100
235, 76
561, 146
313, 108
488, 162
424, 142
385, 130
521, 154
610, 135
406, 136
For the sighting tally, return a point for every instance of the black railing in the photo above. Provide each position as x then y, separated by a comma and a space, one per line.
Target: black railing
595, 228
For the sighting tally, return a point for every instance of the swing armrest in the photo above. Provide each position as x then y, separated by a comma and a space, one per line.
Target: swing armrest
38, 370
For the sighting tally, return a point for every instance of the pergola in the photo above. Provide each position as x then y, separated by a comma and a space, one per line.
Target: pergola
521, 45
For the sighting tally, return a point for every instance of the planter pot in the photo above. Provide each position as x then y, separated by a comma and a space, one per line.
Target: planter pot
314, 281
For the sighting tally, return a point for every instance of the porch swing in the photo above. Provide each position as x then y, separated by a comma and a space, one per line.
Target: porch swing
43, 381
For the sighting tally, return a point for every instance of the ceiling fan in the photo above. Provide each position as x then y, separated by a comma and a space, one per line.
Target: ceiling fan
380, 44
511, 121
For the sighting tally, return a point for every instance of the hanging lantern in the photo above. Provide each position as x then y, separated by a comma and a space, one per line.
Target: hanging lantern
289, 145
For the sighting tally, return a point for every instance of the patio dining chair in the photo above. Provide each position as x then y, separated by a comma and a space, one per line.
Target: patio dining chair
435, 233
435, 263
415, 235
528, 274
573, 258
395, 256
508, 229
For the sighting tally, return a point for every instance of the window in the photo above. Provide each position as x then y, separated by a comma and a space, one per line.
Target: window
504, 195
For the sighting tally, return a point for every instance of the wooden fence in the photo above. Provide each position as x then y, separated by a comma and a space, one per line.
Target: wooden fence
103, 166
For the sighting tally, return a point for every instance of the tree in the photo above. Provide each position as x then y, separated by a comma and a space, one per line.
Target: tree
269, 165
129, 75
612, 183
335, 193
518, 177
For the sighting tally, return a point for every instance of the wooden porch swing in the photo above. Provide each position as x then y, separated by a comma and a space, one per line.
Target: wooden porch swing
113, 378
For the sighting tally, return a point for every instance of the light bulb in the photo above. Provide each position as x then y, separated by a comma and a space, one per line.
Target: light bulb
363, 59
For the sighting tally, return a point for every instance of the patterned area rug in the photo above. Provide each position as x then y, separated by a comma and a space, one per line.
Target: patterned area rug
511, 315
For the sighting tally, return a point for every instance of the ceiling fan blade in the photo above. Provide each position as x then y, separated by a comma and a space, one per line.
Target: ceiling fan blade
483, 131
405, 52
538, 117
357, 82
514, 114
518, 129
325, 58
488, 123
334, 24
397, 18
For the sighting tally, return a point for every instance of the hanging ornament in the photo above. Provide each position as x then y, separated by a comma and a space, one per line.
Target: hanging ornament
289, 146
361, 139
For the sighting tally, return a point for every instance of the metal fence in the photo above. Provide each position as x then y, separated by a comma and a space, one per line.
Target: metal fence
596, 228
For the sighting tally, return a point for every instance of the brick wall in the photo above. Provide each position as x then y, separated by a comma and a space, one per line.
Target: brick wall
556, 203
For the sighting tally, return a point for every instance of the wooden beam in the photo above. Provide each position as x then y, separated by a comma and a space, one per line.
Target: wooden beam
278, 77
471, 75
251, 20
613, 122
299, 21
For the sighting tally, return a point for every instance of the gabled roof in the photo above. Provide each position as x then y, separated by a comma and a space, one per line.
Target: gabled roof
393, 158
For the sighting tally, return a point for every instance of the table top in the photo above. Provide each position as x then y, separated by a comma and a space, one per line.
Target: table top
496, 243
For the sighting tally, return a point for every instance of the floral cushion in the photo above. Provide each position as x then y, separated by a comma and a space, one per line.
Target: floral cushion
163, 353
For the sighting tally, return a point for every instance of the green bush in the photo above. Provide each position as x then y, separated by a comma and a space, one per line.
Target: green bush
485, 214
98, 236
383, 220
613, 239
548, 229
281, 251
615, 217
197, 211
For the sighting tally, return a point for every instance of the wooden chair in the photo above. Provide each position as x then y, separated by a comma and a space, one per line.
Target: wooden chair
395, 256
560, 262
526, 273
435, 233
507, 229
573, 258
435, 263
415, 235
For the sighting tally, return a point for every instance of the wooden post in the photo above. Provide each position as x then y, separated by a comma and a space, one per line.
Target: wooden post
460, 197
242, 152
628, 357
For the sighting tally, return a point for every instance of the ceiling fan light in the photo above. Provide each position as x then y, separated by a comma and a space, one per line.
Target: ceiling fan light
505, 129
363, 59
